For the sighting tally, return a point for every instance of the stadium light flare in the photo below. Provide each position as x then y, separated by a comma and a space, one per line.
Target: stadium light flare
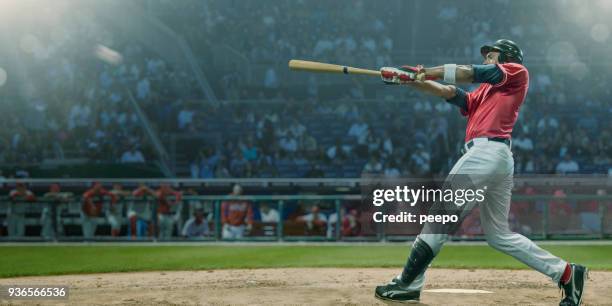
108, 55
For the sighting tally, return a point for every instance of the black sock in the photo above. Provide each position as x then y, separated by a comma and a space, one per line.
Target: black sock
420, 257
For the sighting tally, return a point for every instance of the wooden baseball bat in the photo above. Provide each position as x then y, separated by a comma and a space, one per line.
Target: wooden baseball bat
330, 68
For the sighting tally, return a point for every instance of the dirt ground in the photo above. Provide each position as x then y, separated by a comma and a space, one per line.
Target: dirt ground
321, 286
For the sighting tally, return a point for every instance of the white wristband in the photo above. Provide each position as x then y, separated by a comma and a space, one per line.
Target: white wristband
449, 73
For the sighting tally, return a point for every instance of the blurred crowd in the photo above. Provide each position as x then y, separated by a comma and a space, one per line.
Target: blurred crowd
416, 137
76, 104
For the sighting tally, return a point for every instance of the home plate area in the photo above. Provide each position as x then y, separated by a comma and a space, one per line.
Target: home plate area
312, 286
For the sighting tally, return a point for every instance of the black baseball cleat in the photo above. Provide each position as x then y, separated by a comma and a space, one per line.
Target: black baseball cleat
574, 289
397, 291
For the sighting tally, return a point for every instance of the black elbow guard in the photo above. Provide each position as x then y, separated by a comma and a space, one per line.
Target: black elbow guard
490, 74
460, 99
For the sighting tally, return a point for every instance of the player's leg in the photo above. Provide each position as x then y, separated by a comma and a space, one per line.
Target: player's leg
168, 224
115, 224
239, 231
10, 224
494, 220
46, 222
162, 226
170, 227
407, 285
226, 232
86, 227
21, 225
94, 226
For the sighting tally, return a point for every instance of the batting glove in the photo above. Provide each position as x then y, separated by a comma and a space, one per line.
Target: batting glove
402, 75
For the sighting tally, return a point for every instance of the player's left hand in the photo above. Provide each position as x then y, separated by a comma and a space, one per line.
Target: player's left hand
402, 75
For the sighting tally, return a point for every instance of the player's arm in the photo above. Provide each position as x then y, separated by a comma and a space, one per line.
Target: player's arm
87, 203
178, 197
453, 74
250, 214
30, 197
452, 94
423, 79
113, 197
224, 212
449, 73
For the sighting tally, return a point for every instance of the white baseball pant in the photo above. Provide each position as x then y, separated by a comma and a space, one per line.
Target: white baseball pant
490, 163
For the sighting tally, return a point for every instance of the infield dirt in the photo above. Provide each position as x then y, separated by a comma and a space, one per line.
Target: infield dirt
325, 286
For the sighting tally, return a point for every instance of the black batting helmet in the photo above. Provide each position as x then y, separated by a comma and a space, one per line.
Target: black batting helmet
508, 51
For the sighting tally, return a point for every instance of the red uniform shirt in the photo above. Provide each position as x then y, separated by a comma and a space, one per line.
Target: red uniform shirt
492, 110
235, 212
25, 195
93, 201
163, 202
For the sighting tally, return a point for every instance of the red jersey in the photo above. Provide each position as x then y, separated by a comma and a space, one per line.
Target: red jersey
25, 195
235, 212
93, 201
163, 203
142, 191
492, 110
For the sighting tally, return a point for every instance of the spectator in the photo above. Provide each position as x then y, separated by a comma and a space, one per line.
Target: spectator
143, 88
373, 166
523, 143
338, 152
289, 144
315, 221
297, 129
133, 155
421, 159
268, 215
221, 170
359, 130
350, 224
249, 150
196, 226
271, 79
391, 170
315, 172
185, 118
567, 165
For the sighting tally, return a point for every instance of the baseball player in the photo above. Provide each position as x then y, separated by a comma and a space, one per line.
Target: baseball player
48, 219
92, 208
166, 218
17, 210
236, 216
491, 111
114, 215
139, 212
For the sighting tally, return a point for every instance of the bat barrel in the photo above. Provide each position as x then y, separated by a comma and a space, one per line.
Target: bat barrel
329, 68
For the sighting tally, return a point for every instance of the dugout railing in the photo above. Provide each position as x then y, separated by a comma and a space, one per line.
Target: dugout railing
574, 216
